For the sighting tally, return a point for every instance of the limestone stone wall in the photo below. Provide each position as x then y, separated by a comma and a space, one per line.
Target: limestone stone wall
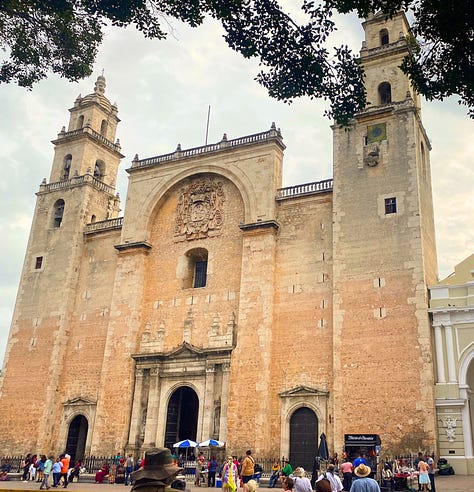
380, 287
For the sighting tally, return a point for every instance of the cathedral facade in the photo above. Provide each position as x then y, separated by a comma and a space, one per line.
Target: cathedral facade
222, 305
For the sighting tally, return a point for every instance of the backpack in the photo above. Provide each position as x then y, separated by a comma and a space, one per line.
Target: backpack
327, 480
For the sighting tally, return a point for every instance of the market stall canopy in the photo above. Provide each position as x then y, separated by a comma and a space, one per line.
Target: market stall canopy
186, 443
211, 442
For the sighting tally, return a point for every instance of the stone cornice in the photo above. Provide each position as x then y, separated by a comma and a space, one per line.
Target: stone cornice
261, 224
184, 351
135, 245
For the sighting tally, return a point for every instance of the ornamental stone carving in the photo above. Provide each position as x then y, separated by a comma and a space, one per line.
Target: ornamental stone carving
450, 425
372, 156
199, 213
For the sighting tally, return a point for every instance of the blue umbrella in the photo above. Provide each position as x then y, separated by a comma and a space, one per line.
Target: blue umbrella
211, 442
187, 443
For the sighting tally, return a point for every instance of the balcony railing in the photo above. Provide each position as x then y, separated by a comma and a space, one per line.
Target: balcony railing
96, 135
305, 189
77, 181
271, 134
104, 225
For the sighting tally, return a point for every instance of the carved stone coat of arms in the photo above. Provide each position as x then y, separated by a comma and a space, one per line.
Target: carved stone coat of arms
199, 212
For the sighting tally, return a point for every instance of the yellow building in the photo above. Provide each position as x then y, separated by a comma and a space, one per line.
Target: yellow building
222, 305
452, 310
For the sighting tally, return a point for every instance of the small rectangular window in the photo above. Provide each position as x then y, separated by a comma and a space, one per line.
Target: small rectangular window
200, 274
38, 262
390, 205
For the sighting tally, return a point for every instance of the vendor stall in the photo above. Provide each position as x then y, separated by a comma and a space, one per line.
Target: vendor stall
366, 446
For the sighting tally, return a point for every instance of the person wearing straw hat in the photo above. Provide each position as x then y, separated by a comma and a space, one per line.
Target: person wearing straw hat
158, 472
363, 483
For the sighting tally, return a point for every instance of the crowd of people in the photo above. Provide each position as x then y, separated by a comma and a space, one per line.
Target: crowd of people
49, 471
347, 476
160, 470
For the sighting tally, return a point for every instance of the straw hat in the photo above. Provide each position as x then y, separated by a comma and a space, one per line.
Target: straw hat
299, 472
362, 470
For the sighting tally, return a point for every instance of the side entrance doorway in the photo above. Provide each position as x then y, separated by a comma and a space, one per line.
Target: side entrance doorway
76, 438
303, 438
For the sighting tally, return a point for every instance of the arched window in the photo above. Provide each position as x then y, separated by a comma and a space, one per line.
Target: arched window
385, 93
58, 212
80, 122
384, 39
196, 272
67, 167
99, 170
103, 128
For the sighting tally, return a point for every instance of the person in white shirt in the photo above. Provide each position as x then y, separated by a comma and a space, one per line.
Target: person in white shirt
336, 484
300, 482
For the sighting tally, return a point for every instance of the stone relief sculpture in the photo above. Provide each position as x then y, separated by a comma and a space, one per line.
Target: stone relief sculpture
199, 212
450, 424
372, 157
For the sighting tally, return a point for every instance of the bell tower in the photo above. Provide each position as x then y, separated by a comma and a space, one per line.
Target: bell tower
81, 190
384, 253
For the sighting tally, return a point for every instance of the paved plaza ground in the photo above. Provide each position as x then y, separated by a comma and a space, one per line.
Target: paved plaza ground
456, 483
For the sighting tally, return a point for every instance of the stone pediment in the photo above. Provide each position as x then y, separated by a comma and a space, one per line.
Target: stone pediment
299, 391
79, 401
184, 351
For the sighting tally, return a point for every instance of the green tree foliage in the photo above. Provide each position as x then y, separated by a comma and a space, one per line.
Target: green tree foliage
63, 36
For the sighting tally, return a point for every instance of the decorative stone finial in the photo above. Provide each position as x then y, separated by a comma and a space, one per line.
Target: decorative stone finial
135, 159
99, 87
44, 181
224, 137
273, 127
178, 148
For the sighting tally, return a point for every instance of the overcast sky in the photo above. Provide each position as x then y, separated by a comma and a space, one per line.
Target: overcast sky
163, 90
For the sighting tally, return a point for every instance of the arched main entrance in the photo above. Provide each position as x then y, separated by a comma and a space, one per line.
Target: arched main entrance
182, 416
76, 438
303, 437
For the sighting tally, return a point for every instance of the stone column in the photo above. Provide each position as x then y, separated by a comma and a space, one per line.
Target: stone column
439, 355
448, 333
224, 401
152, 409
135, 419
466, 421
208, 406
